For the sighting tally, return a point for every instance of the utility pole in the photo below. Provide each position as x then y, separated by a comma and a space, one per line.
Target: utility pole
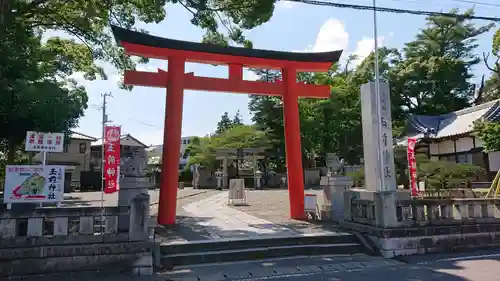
377, 92
103, 160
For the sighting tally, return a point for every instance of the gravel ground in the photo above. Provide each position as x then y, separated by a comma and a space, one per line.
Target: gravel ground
274, 206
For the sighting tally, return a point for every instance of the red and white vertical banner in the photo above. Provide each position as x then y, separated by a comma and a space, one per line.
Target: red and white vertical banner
412, 166
111, 158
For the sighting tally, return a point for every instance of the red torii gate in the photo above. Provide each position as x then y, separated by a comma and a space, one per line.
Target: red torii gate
176, 80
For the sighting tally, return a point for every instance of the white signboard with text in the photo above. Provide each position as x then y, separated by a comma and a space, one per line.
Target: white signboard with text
44, 142
33, 184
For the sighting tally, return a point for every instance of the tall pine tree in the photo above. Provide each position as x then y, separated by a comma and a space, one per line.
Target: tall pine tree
224, 124
237, 119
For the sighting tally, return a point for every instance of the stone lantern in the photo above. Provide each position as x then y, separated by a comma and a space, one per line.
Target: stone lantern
218, 175
257, 178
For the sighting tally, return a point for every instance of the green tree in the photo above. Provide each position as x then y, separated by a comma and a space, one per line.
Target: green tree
202, 150
243, 136
224, 124
87, 21
431, 75
237, 119
489, 133
33, 98
434, 76
341, 131
441, 176
267, 114
331, 125
491, 89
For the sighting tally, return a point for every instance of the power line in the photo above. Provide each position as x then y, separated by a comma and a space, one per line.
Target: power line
477, 3
393, 10
144, 123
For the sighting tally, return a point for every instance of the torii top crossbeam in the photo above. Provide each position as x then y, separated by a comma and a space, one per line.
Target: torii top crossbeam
176, 81
149, 46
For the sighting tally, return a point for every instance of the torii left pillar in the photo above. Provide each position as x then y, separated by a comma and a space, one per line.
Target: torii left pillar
171, 140
293, 145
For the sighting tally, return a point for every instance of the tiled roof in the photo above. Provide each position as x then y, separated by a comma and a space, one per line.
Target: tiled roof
80, 136
452, 124
98, 142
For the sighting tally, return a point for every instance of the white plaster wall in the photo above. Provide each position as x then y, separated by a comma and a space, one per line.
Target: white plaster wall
464, 144
494, 159
446, 147
479, 142
434, 148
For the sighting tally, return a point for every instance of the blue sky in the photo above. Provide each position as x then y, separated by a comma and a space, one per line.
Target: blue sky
294, 27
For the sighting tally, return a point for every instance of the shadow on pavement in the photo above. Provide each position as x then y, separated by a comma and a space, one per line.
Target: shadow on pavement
190, 228
186, 228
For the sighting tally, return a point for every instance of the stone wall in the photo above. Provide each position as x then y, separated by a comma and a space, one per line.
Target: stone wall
312, 177
425, 225
51, 240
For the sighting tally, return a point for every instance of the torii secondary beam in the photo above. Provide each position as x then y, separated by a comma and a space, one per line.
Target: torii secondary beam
176, 80
232, 85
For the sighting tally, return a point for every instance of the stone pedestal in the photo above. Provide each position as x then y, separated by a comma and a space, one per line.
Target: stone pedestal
130, 187
339, 185
333, 196
385, 209
385, 204
326, 207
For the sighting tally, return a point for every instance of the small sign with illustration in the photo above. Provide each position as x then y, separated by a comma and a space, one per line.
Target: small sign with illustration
33, 184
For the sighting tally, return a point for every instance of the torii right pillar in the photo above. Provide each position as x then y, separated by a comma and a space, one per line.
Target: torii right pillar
293, 145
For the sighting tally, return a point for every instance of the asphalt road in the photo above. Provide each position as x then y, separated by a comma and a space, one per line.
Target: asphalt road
475, 266
478, 266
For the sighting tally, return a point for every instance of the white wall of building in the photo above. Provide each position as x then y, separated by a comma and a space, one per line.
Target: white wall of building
462, 145
494, 159
445, 147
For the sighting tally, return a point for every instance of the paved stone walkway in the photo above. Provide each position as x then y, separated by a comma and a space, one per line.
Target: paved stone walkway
223, 221
273, 204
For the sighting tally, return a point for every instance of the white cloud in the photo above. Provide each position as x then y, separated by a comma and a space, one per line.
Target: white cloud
147, 68
364, 47
77, 76
250, 75
332, 36
285, 4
